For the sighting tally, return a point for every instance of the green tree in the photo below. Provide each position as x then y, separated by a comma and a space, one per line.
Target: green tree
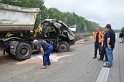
122, 29
52, 13
24, 3
28, 4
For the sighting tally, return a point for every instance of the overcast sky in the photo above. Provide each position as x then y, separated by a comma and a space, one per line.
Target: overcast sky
100, 11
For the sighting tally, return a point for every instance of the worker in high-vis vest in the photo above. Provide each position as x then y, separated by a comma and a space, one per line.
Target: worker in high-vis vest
97, 37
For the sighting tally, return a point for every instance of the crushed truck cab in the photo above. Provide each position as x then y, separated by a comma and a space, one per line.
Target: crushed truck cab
58, 34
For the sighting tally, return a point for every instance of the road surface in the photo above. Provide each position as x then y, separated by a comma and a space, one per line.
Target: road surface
77, 65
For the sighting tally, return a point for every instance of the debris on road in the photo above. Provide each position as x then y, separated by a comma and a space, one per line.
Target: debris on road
37, 59
82, 41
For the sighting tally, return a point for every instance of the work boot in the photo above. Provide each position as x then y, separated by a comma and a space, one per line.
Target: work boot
94, 57
107, 66
43, 67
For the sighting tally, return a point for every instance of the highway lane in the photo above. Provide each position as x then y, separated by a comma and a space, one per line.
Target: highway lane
77, 65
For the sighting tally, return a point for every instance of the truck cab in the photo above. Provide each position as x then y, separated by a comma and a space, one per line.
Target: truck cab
58, 34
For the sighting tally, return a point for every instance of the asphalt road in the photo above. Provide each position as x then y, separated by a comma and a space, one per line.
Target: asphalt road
116, 73
77, 65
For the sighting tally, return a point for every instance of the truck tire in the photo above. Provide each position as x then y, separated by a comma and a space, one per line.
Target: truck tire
23, 51
63, 47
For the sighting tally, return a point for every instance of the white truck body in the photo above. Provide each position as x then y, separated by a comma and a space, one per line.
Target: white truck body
14, 18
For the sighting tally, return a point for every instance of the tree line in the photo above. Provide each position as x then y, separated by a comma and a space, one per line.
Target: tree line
122, 29
71, 19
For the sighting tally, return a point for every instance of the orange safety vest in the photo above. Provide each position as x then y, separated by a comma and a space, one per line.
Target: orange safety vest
100, 36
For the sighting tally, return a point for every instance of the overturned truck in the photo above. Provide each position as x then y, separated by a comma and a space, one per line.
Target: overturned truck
58, 34
17, 26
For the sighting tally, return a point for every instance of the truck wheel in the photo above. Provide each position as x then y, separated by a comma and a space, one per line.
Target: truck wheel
23, 51
63, 47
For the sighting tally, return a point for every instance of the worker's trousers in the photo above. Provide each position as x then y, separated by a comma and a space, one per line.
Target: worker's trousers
46, 58
109, 52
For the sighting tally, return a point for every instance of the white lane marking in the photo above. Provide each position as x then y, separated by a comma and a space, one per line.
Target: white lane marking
55, 58
103, 75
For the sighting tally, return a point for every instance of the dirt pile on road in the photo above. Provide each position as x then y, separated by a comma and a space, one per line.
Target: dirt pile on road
81, 41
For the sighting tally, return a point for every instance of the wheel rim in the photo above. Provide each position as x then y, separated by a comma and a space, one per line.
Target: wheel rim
24, 52
63, 48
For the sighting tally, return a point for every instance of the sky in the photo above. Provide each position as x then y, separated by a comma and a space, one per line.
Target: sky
100, 11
